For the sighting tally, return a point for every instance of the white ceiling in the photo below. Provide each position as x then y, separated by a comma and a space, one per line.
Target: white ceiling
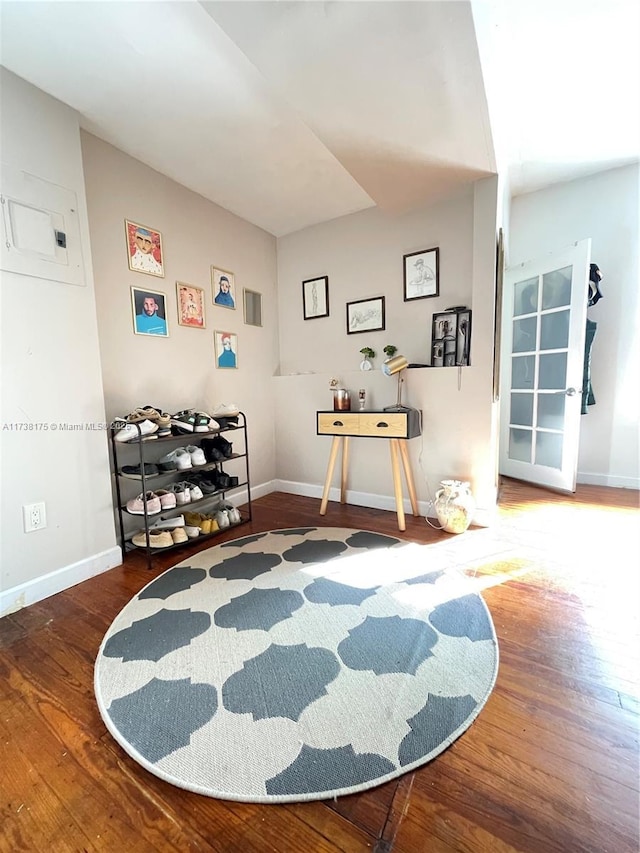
293, 113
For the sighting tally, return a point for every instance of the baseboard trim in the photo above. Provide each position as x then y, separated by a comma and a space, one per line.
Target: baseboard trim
613, 481
14, 599
483, 516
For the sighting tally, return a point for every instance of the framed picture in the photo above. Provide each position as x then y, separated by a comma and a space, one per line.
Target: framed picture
365, 315
226, 347
149, 312
315, 298
463, 339
252, 307
444, 339
144, 249
190, 305
223, 284
421, 274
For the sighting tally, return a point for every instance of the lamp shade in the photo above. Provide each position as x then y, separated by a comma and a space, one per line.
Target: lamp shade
394, 365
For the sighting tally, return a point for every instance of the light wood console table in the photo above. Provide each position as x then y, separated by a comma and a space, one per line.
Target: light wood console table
396, 426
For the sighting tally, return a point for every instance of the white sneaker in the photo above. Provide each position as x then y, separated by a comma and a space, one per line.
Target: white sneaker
196, 454
130, 432
180, 457
225, 410
168, 523
195, 492
223, 519
192, 532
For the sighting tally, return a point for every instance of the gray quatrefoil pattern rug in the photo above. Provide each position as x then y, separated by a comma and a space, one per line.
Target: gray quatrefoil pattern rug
296, 665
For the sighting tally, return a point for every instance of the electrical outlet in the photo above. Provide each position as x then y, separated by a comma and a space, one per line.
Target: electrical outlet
35, 517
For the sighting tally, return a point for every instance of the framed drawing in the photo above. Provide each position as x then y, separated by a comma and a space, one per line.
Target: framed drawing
190, 305
421, 274
223, 286
226, 347
463, 342
149, 312
144, 249
252, 307
315, 298
365, 315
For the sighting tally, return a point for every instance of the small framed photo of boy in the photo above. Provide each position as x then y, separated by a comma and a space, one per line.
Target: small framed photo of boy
223, 284
226, 347
149, 312
190, 305
144, 249
421, 274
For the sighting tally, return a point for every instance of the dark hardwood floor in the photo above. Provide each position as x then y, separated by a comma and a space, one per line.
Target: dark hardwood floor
551, 763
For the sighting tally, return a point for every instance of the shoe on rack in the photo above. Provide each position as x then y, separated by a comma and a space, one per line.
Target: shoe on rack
182, 494
134, 472
223, 519
168, 523
225, 410
134, 431
196, 454
167, 498
136, 506
192, 532
164, 425
207, 485
183, 423
234, 514
194, 491
156, 540
181, 458
212, 451
205, 423
179, 535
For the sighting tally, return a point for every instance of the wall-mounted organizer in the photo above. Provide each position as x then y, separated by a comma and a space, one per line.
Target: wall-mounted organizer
451, 338
137, 474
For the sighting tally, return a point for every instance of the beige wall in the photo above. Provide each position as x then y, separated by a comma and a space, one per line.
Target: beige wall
362, 256
179, 372
50, 376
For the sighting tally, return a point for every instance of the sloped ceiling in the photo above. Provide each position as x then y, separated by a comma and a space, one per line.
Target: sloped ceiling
294, 113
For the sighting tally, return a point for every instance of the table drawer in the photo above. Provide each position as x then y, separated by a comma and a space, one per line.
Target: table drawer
384, 424
339, 423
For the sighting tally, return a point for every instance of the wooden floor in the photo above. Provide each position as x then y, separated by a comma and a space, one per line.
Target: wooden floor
551, 763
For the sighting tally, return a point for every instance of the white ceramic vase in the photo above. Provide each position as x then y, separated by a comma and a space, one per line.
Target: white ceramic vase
454, 506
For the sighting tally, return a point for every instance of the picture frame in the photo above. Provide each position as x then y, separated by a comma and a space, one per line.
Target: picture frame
144, 249
190, 301
223, 288
226, 349
365, 315
421, 274
315, 298
463, 339
149, 312
252, 304
444, 339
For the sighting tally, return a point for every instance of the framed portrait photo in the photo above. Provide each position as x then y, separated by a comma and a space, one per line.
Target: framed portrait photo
144, 249
149, 312
226, 349
223, 286
365, 315
190, 305
315, 297
421, 274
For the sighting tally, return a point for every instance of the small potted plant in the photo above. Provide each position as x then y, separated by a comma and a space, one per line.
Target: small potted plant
368, 353
390, 350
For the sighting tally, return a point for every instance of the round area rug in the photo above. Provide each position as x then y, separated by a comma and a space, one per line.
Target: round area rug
296, 665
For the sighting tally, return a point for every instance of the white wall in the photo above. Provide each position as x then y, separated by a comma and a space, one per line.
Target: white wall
605, 208
179, 371
50, 375
362, 256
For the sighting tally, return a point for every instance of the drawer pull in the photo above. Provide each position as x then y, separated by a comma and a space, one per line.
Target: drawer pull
338, 423
382, 424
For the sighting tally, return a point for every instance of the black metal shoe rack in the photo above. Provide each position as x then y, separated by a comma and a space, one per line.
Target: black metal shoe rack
144, 450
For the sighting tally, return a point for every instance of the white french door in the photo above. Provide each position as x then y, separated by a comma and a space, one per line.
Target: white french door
542, 363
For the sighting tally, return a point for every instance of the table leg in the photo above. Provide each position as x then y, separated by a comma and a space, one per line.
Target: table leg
408, 475
397, 482
335, 446
345, 466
